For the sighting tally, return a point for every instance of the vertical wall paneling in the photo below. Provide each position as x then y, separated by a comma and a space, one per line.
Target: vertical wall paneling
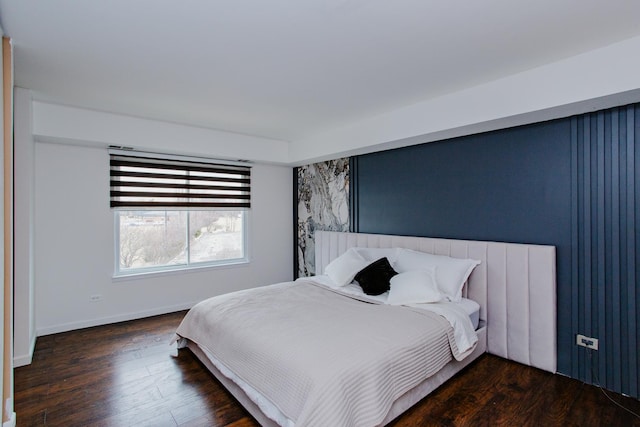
585, 281
599, 295
573, 296
633, 142
612, 204
605, 244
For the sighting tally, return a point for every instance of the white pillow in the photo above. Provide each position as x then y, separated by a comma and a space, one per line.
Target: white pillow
343, 269
414, 287
374, 254
451, 273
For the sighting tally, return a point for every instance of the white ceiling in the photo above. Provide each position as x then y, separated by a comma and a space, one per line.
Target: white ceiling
290, 69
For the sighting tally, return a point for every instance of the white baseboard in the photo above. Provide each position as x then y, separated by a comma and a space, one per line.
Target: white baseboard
8, 409
11, 422
112, 319
25, 359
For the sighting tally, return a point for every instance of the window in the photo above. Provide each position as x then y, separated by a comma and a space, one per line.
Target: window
174, 214
166, 240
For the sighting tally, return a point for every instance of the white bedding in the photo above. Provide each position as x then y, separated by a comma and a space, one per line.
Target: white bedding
452, 311
288, 409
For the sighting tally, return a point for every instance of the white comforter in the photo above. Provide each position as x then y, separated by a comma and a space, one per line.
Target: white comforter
320, 358
464, 332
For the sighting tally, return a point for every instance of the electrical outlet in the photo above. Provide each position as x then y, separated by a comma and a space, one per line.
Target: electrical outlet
588, 342
95, 298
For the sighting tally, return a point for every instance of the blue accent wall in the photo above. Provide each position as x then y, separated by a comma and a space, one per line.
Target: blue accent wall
605, 264
571, 183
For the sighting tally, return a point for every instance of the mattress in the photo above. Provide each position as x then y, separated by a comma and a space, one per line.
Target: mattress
472, 308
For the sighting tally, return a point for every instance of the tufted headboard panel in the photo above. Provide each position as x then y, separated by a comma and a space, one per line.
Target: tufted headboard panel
515, 285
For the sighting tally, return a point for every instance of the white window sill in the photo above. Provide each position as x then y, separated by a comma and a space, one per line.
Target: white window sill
137, 275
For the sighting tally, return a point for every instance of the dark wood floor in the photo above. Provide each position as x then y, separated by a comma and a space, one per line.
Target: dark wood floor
127, 375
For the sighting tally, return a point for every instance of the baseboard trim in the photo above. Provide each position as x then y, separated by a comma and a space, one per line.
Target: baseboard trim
26, 359
11, 422
55, 329
8, 409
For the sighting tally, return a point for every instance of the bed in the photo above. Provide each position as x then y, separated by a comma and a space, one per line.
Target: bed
315, 352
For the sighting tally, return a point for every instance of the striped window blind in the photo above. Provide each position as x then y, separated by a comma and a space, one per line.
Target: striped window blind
140, 182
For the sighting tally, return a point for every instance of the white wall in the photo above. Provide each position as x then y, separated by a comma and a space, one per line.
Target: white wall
74, 245
23, 298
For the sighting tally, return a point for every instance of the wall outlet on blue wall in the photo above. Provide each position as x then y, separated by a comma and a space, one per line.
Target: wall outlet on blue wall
588, 342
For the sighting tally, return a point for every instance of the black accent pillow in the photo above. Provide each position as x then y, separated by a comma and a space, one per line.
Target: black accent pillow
374, 278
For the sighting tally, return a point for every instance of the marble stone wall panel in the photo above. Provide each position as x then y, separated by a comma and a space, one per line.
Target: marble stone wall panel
323, 204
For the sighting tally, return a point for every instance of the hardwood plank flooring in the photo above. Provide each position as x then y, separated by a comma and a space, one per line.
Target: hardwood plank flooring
127, 374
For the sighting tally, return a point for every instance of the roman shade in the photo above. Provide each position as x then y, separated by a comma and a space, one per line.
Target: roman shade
139, 181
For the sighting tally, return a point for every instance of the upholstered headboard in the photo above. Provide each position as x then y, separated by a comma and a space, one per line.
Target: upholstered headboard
515, 286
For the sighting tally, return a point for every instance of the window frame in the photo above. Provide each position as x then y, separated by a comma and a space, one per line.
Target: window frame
188, 266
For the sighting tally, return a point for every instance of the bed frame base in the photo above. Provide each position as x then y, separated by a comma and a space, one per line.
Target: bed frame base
400, 406
232, 387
